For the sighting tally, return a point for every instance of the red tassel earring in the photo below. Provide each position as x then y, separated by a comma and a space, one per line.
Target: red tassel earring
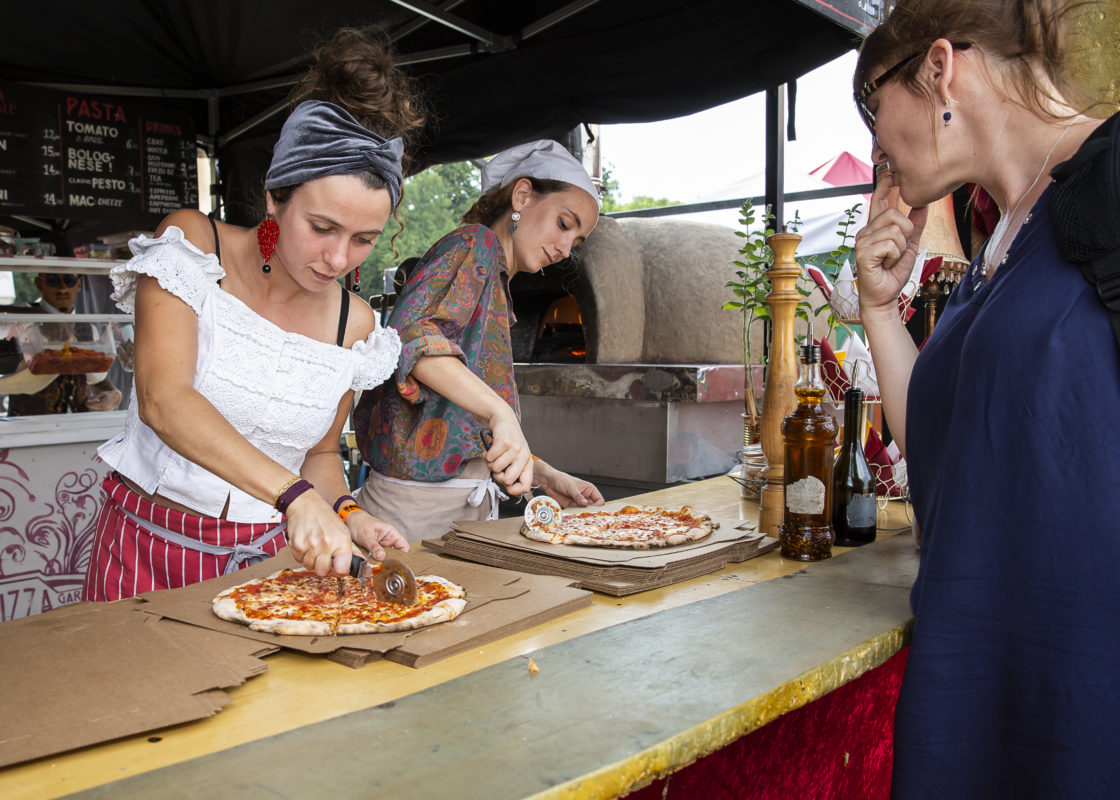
357, 286
267, 234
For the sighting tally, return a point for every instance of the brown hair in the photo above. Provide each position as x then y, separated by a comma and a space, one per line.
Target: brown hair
488, 208
1023, 35
354, 69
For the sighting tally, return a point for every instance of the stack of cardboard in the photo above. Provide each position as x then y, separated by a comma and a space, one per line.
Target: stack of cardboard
611, 571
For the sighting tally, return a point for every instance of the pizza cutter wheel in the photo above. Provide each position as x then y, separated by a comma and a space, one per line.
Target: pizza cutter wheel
392, 581
541, 510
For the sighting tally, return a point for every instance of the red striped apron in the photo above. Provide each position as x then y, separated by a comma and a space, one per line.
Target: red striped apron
141, 546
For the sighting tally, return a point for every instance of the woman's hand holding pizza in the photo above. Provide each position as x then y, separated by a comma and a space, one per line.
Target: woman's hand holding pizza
886, 250
567, 490
318, 538
374, 534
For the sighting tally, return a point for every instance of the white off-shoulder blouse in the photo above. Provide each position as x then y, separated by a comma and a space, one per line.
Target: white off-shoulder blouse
279, 390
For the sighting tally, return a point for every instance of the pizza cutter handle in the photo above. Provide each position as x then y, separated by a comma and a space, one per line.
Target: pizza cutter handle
487, 437
357, 566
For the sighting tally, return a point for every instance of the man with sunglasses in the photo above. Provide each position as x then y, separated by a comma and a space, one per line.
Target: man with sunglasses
64, 393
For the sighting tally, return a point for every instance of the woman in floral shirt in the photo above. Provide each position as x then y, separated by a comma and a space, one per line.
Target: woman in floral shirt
419, 433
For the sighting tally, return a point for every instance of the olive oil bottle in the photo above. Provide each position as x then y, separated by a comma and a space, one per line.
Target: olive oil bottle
809, 432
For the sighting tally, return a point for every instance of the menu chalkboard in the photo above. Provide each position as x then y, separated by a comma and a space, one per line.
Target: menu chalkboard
80, 156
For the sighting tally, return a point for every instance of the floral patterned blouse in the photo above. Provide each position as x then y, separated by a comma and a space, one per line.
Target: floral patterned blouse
456, 302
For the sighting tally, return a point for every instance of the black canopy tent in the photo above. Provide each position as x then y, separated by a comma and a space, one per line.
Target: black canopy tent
495, 72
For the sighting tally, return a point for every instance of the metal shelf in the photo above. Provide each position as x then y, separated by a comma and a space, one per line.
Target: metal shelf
60, 266
16, 316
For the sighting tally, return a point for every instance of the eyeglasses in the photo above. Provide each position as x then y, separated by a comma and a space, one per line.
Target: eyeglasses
868, 88
54, 281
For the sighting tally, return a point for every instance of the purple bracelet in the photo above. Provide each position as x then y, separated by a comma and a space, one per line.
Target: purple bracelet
290, 493
340, 502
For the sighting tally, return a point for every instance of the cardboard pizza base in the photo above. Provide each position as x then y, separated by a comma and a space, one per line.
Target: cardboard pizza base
498, 603
608, 570
507, 533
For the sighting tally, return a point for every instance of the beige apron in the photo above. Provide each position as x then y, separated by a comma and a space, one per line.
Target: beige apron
423, 510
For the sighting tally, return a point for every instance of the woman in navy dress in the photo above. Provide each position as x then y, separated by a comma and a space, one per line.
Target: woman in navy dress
1008, 416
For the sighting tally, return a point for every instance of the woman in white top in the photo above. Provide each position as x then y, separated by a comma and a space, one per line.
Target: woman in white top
248, 352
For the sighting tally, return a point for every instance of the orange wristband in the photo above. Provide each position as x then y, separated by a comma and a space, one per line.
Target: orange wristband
347, 510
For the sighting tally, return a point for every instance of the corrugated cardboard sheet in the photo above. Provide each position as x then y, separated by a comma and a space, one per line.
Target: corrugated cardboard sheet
499, 603
603, 569
92, 672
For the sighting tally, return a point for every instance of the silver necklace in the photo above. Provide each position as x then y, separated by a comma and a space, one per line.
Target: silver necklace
1002, 229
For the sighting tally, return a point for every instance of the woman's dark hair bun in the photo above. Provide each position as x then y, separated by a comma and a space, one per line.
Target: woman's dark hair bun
354, 68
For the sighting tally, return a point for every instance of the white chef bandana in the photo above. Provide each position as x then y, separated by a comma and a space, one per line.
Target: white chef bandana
543, 158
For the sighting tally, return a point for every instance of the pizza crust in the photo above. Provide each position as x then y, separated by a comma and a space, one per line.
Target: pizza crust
443, 611
226, 606
566, 530
227, 609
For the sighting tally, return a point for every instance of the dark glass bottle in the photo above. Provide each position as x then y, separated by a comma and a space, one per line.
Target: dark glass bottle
806, 530
853, 486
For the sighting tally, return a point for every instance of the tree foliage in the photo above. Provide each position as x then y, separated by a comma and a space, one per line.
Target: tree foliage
611, 192
433, 203
26, 291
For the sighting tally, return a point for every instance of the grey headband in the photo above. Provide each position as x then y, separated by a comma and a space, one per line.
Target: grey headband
321, 139
543, 158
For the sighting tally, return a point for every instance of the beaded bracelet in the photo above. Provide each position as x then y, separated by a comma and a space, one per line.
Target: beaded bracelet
292, 489
283, 489
340, 502
347, 510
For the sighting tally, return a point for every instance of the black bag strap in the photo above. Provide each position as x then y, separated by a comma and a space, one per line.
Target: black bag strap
1098, 156
1104, 273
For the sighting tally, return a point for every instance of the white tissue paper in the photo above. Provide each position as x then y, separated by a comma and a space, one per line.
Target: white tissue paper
910, 288
898, 464
859, 367
843, 296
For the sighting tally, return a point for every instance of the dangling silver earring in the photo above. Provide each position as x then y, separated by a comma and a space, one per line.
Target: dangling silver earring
948, 115
516, 219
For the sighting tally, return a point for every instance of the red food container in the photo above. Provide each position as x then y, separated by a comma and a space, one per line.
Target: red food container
66, 348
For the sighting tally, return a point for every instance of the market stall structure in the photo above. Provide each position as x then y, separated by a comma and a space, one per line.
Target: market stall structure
105, 144
635, 61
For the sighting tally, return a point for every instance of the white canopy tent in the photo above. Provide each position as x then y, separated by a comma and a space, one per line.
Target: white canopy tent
820, 218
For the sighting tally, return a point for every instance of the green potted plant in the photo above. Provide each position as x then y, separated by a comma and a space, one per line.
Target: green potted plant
750, 288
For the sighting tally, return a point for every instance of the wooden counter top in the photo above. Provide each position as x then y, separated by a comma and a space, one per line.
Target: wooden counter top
628, 689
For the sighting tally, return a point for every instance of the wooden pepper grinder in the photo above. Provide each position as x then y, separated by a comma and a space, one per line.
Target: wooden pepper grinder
778, 399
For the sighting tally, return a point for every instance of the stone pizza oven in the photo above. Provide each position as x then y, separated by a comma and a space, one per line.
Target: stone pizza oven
627, 365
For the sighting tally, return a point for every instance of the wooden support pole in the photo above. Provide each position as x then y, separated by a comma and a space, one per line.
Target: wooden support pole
778, 399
